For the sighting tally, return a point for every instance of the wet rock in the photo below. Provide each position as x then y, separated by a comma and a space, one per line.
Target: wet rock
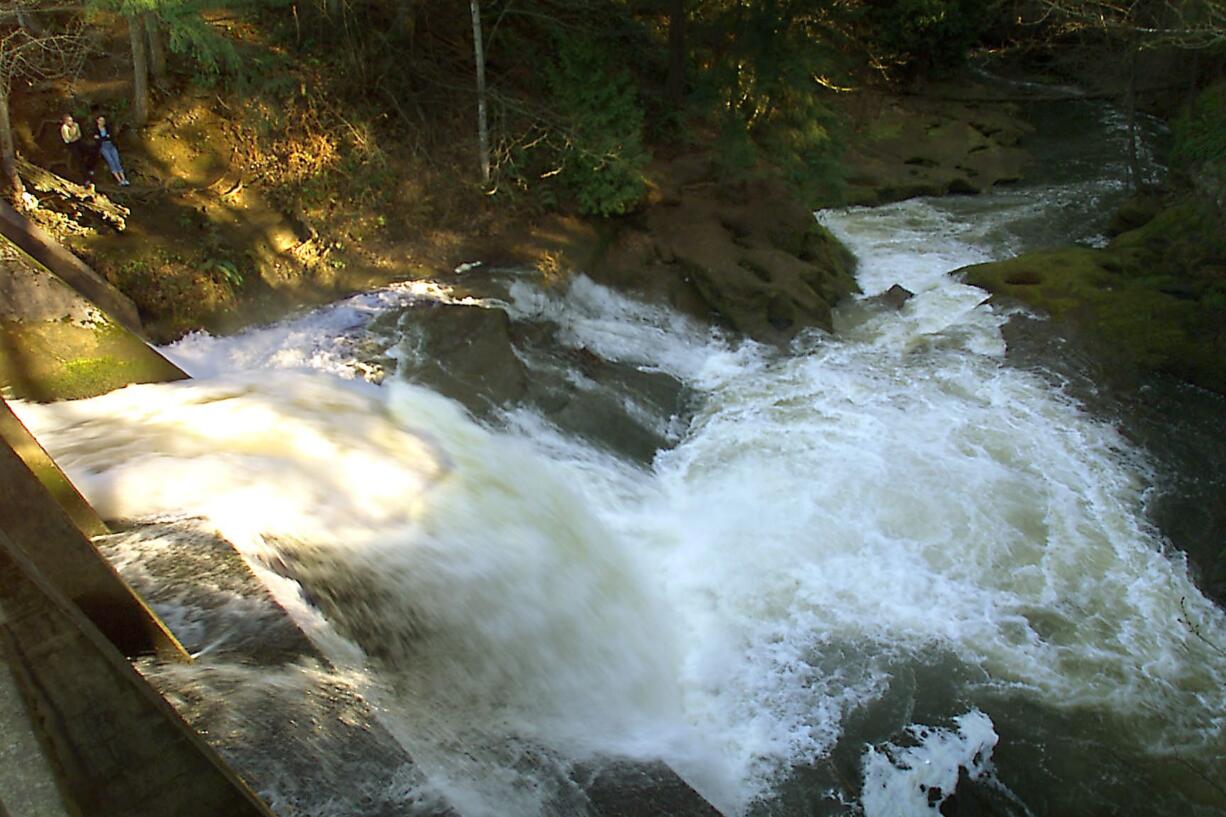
614, 405
747, 257
894, 298
626, 788
481, 358
464, 352
931, 145
258, 680
625, 411
195, 574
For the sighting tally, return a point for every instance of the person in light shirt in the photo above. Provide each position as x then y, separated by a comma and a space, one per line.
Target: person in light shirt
80, 150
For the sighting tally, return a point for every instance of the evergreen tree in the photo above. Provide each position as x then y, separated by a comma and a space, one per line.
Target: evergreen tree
604, 156
188, 33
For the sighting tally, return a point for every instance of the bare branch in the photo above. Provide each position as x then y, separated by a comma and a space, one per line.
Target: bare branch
41, 54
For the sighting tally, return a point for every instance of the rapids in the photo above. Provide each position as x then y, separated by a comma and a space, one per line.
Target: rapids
875, 570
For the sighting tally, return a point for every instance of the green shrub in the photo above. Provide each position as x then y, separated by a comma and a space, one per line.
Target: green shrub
920, 35
1200, 132
603, 155
1198, 145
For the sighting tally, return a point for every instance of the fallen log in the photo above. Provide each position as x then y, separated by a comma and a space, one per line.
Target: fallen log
45, 181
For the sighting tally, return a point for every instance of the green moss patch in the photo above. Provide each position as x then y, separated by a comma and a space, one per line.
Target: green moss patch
1156, 298
59, 360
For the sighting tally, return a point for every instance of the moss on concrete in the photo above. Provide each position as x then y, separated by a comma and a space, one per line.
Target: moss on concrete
61, 360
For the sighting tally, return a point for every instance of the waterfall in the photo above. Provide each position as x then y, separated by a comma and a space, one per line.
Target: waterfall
871, 564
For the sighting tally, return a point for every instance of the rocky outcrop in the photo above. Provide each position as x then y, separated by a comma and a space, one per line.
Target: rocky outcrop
479, 357
895, 297
932, 145
748, 256
463, 352
1152, 301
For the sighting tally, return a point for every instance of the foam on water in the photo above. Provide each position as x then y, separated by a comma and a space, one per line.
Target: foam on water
865, 501
488, 598
914, 781
324, 340
622, 329
827, 514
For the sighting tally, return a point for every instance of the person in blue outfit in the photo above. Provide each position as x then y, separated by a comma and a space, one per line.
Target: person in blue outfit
110, 153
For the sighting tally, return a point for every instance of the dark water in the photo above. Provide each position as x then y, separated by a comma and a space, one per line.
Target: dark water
897, 572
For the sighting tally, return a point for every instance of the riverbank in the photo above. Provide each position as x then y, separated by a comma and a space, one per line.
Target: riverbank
231, 228
1151, 302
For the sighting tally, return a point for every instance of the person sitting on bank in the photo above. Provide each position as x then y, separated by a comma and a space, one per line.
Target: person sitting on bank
80, 150
106, 146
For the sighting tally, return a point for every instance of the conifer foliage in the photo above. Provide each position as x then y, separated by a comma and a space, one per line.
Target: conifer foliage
565, 100
603, 154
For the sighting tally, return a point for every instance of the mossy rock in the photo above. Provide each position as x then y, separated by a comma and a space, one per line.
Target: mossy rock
932, 147
836, 263
1136, 316
1135, 213
1185, 239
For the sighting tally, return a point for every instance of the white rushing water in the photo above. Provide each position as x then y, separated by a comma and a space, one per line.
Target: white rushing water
830, 516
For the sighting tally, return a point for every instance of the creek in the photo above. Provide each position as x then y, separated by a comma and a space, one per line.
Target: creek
899, 570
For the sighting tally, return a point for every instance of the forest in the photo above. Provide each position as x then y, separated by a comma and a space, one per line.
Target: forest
567, 101
309, 148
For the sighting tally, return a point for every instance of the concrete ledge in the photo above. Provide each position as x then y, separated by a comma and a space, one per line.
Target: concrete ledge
45, 534
118, 748
28, 786
72, 270
58, 344
49, 474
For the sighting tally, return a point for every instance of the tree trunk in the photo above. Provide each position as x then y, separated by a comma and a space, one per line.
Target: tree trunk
12, 185
45, 181
483, 134
28, 23
157, 49
140, 71
675, 86
1134, 161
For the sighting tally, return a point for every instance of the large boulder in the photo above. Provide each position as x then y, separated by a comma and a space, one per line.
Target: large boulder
464, 352
1152, 301
479, 357
614, 405
749, 257
933, 145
